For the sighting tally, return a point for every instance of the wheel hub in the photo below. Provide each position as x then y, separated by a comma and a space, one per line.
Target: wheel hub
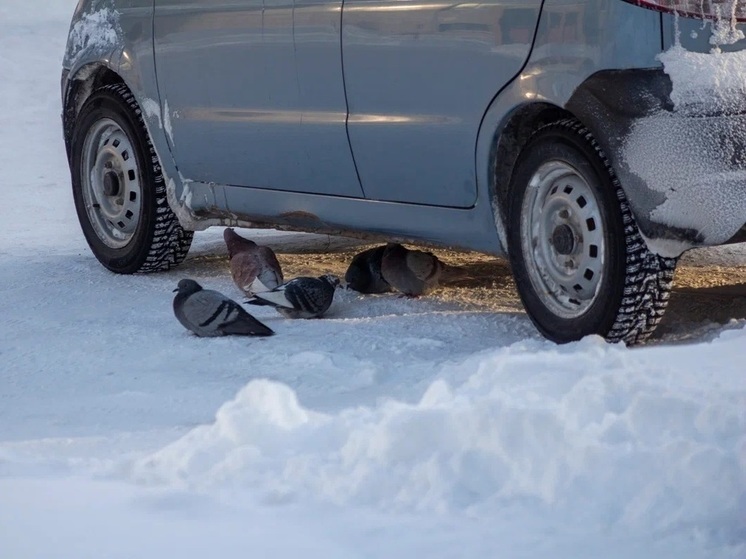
563, 239
111, 183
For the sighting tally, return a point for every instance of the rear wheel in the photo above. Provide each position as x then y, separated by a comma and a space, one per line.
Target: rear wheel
579, 260
118, 187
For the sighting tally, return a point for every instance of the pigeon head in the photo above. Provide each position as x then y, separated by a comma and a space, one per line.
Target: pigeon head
235, 242
187, 287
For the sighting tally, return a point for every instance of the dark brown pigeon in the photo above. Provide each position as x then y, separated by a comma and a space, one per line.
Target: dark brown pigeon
209, 313
254, 268
414, 272
364, 272
300, 297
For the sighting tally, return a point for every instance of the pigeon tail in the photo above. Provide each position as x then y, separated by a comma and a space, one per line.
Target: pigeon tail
257, 286
276, 297
451, 274
259, 302
247, 326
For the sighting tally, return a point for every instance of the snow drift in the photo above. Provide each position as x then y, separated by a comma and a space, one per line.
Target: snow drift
608, 437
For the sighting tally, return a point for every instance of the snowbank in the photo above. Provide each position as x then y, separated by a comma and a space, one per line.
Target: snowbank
610, 438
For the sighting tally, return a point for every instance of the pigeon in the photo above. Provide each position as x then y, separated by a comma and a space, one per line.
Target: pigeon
301, 297
250, 262
414, 272
364, 272
209, 313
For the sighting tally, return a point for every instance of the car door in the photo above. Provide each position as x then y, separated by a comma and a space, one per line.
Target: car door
419, 76
236, 110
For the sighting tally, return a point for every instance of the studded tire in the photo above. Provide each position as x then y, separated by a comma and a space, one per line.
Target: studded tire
579, 261
119, 189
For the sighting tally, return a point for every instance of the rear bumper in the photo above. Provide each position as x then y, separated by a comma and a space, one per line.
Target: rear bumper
683, 168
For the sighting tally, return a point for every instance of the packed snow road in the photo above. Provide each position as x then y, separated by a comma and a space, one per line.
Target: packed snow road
440, 427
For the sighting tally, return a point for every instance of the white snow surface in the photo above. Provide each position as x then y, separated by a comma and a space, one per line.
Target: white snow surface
686, 163
705, 80
393, 428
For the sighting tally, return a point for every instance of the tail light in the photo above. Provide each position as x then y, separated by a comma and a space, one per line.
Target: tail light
728, 10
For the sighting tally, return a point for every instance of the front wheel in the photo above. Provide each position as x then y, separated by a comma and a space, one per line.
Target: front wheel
118, 187
580, 263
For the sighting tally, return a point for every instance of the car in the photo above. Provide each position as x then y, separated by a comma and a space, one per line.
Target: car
592, 142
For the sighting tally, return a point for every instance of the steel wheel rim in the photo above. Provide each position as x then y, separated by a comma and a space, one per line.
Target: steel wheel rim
110, 179
562, 239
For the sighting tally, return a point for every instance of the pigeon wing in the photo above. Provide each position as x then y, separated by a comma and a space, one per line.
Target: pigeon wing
302, 295
205, 308
310, 295
358, 275
364, 272
395, 270
244, 270
238, 321
270, 272
374, 264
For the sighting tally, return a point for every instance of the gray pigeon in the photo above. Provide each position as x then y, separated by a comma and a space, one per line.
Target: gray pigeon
253, 267
414, 272
300, 297
209, 313
364, 273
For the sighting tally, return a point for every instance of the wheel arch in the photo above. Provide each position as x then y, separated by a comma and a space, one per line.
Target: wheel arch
498, 148
80, 86
508, 142
84, 79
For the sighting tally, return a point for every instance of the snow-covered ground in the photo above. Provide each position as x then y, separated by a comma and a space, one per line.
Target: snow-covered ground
393, 428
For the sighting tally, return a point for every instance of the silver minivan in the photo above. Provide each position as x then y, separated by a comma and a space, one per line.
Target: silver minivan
593, 142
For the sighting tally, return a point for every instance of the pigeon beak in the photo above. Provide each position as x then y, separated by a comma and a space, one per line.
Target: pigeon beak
175, 290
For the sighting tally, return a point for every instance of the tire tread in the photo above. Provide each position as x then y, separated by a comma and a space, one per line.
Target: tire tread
171, 242
648, 277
